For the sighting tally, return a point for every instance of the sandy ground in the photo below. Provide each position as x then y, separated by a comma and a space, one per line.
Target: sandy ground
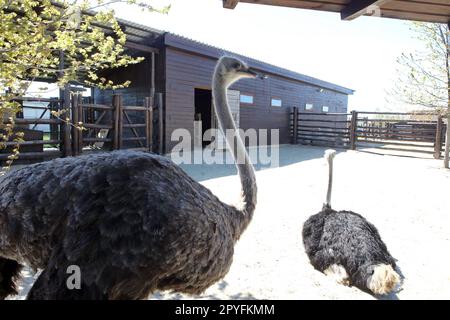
407, 199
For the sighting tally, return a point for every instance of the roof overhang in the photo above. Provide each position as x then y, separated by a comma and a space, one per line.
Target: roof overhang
437, 11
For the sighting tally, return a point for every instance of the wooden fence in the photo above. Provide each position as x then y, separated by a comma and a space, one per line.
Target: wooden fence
103, 126
381, 131
80, 126
320, 128
35, 145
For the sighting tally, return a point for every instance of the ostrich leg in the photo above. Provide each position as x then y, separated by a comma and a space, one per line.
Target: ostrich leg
52, 283
9, 274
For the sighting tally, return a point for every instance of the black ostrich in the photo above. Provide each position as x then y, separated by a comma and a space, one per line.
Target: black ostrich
344, 245
133, 222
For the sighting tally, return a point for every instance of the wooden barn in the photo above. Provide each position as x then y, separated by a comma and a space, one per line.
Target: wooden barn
180, 75
170, 90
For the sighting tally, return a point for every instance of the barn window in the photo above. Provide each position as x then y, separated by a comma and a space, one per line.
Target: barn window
325, 109
275, 102
309, 106
246, 99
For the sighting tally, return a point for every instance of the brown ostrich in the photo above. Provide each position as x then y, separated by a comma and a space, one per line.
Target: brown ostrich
133, 222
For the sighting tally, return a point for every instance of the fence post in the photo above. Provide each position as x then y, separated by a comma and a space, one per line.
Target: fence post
295, 125
159, 101
90, 113
120, 99
148, 123
65, 128
117, 112
75, 121
353, 125
53, 127
438, 138
80, 122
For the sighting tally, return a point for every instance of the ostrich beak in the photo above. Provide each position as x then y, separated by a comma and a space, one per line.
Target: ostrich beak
255, 74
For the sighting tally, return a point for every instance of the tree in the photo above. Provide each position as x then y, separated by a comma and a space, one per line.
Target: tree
34, 34
424, 79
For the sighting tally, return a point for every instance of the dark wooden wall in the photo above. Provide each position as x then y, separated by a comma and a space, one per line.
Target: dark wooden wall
186, 71
178, 72
134, 95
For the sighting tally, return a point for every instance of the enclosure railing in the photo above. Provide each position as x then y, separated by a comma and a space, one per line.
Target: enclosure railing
313, 127
37, 144
78, 126
99, 125
394, 131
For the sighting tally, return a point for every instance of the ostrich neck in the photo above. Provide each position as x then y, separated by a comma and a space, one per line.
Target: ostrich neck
242, 160
330, 181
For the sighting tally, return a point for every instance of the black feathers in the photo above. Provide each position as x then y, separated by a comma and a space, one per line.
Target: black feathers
130, 220
344, 244
346, 239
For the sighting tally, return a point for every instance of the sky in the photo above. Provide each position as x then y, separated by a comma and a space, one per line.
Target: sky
359, 54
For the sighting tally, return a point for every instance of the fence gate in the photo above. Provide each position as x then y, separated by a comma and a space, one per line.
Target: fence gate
400, 132
112, 127
330, 129
103, 127
379, 132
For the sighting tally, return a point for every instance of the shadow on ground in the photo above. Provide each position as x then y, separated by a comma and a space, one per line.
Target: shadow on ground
220, 294
287, 155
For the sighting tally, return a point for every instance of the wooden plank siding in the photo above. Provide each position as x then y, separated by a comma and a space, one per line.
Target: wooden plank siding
207, 51
134, 95
186, 71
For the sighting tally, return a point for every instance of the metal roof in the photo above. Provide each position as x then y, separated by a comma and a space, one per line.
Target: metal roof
186, 44
139, 33
145, 35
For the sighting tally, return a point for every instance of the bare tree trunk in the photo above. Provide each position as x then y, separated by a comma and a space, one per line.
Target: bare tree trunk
447, 136
447, 142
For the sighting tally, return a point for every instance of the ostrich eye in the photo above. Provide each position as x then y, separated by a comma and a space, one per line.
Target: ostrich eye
237, 66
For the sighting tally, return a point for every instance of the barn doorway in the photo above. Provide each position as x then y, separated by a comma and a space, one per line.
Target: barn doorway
234, 104
203, 113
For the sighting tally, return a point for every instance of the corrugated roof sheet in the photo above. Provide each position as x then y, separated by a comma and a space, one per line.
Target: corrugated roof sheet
142, 34
187, 44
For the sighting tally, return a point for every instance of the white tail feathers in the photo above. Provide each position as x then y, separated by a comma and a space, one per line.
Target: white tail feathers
384, 279
329, 156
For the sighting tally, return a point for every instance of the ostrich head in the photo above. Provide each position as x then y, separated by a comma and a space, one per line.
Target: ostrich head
231, 69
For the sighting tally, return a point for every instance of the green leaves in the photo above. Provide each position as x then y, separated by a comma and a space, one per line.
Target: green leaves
34, 33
